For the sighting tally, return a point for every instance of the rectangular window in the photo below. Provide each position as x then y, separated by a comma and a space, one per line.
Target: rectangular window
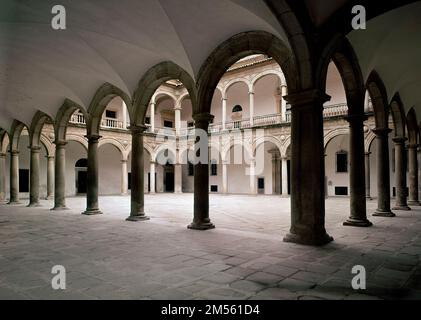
261, 183
23, 180
168, 124
191, 170
190, 124
214, 188
341, 191
110, 114
342, 162
214, 169
147, 120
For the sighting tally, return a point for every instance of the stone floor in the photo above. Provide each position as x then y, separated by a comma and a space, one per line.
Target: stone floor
243, 258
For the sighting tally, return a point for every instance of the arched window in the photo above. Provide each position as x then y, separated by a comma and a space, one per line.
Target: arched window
81, 163
237, 108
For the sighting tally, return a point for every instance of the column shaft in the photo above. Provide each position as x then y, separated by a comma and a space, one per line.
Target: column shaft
307, 169
413, 175
253, 187
224, 112
137, 212
124, 184
50, 177
60, 176
178, 177
251, 98
34, 178
14, 177
152, 178
367, 176
92, 179
153, 117
383, 173
224, 178
400, 174
284, 177
284, 92
358, 216
201, 219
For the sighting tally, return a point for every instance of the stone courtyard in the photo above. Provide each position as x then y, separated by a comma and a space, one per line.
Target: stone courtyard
243, 258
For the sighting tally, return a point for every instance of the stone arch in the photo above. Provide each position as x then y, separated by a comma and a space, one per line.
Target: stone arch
4, 140
48, 145
99, 102
261, 141
333, 134
235, 81
146, 147
368, 141
236, 48
38, 121
412, 125
15, 134
152, 80
163, 93
227, 149
285, 146
163, 147
340, 51
378, 95
183, 97
63, 117
77, 138
277, 73
398, 116
115, 143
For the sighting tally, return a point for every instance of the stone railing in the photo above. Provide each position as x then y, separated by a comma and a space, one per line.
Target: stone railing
106, 123
77, 118
335, 110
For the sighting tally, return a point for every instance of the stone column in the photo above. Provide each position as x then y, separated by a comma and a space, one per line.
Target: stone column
413, 175
137, 212
153, 117
124, 183
60, 176
367, 176
92, 206
224, 112
252, 172
224, 177
383, 173
178, 177
358, 216
50, 178
177, 111
34, 178
276, 172
307, 169
400, 174
201, 220
284, 176
251, 98
124, 112
284, 92
14, 177
2, 177
419, 172
152, 177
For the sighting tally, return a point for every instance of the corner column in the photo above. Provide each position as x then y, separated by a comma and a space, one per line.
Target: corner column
124, 184
400, 174
14, 177
307, 169
60, 176
201, 220
383, 173
50, 178
413, 175
284, 164
137, 212
34, 178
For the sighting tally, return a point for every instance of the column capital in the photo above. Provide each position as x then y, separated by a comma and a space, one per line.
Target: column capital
202, 120
35, 149
138, 129
2, 155
93, 138
306, 97
413, 146
399, 140
50, 157
14, 152
251, 92
381, 132
124, 161
60, 143
367, 154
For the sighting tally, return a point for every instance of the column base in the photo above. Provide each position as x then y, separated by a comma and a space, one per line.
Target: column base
34, 205
14, 202
49, 198
369, 198
136, 218
387, 214
59, 208
402, 208
309, 240
414, 203
92, 212
201, 226
351, 222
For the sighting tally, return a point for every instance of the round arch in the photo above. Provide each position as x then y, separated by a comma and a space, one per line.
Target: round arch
412, 124
368, 141
63, 117
398, 116
277, 73
261, 141
15, 134
115, 143
77, 138
378, 94
227, 149
235, 81
38, 121
48, 145
333, 134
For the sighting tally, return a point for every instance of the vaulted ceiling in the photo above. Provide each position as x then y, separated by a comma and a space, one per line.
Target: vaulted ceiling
118, 41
